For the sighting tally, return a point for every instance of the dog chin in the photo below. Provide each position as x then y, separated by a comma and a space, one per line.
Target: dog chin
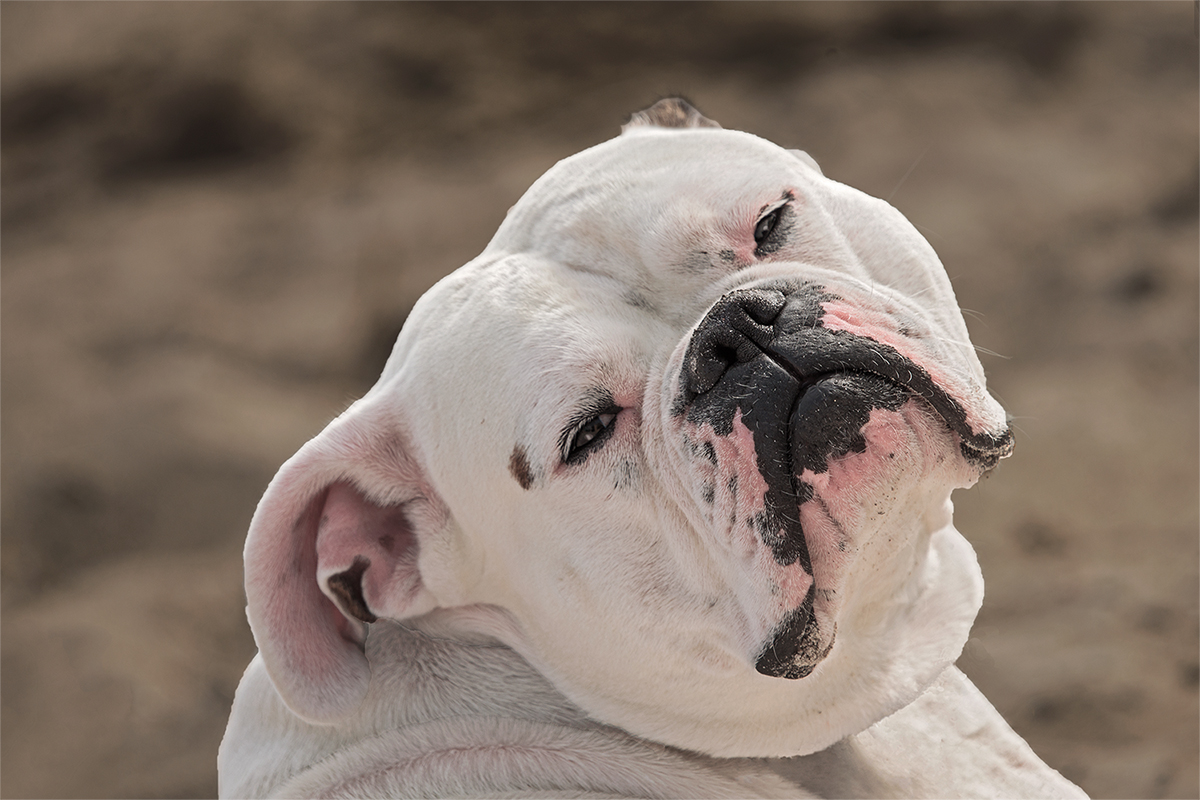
892, 641
890, 646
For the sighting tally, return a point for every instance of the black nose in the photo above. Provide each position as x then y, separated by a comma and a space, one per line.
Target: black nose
736, 329
728, 379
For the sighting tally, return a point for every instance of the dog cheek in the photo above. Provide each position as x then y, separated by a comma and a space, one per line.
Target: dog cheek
857, 494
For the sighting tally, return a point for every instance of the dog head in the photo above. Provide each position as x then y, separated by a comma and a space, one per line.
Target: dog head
684, 435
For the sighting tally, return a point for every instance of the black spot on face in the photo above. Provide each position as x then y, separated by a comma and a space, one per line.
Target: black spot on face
626, 475
639, 301
697, 261
518, 467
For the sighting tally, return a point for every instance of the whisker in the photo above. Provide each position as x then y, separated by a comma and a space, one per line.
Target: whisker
977, 348
929, 232
991, 353
910, 171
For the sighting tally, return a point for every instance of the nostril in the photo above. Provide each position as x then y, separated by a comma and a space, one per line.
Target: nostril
763, 305
734, 331
718, 350
708, 366
723, 354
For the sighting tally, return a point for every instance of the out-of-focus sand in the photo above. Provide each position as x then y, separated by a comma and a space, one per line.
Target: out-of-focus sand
215, 217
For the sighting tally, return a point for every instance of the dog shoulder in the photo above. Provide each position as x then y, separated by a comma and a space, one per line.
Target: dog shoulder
950, 742
494, 757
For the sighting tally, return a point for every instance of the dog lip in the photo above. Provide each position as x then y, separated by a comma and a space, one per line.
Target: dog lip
806, 392
783, 320
829, 415
842, 353
986, 450
795, 646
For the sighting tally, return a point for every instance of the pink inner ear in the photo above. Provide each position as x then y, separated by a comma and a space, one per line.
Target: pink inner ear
375, 545
313, 524
310, 649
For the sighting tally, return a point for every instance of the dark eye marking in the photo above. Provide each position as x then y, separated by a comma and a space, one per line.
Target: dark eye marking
771, 230
589, 431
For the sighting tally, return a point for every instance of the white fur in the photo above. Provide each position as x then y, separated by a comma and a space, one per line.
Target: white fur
591, 629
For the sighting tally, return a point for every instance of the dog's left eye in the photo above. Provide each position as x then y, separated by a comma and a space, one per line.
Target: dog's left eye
772, 227
590, 435
766, 226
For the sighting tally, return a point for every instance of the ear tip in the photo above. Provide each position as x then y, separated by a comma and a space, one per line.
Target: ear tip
670, 112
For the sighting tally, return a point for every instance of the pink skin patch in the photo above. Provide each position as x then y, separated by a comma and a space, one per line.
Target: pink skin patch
846, 498
738, 497
847, 494
883, 328
738, 487
859, 491
737, 459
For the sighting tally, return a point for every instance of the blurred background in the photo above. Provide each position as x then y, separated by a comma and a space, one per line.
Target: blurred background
216, 216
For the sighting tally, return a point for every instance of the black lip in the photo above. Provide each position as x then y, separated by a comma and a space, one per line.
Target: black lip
794, 649
781, 321
811, 350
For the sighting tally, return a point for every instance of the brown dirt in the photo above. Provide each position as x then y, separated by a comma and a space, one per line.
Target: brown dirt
215, 217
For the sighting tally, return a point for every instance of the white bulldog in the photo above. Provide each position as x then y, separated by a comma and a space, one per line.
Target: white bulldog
652, 499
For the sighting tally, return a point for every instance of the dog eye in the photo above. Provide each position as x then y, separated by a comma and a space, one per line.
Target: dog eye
772, 227
766, 226
591, 435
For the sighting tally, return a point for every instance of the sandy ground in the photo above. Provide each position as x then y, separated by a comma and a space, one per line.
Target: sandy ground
215, 217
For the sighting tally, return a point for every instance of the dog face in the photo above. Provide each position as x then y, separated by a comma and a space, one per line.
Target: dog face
684, 436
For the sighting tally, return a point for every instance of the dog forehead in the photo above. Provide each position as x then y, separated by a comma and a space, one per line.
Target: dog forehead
700, 162
524, 329
642, 202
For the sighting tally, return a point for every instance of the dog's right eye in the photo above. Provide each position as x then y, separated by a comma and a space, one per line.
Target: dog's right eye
591, 435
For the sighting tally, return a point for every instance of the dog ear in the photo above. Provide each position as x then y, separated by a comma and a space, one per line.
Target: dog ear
334, 545
673, 112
